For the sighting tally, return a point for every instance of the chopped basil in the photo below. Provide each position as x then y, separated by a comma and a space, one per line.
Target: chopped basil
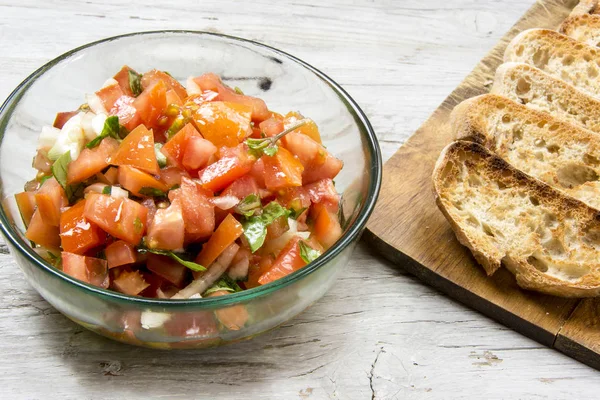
106, 190
225, 283
248, 205
151, 192
111, 128
44, 179
135, 82
268, 145
189, 264
238, 90
255, 228
307, 253
160, 157
138, 227
59, 170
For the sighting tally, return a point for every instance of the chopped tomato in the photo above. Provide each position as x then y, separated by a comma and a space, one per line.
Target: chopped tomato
26, 204
109, 94
327, 227
127, 113
271, 127
121, 218
50, 198
42, 163
328, 170
153, 76
287, 261
242, 187
137, 150
120, 253
91, 161
295, 198
227, 233
87, 269
175, 147
77, 234
323, 191
151, 103
212, 82
317, 161
130, 282
198, 212
233, 164
112, 175
197, 153
42, 233
224, 124
277, 228
168, 269
309, 129
122, 77
258, 173
282, 170
173, 98
234, 317
62, 118
135, 180
259, 269
167, 230
172, 176
191, 324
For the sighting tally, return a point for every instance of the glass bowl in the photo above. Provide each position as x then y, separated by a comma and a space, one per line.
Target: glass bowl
284, 82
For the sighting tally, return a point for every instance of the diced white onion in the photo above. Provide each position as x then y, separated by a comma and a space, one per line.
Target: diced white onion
95, 104
48, 137
192, 87
151, 319
118, 193
71, 138
225, 202
95, 188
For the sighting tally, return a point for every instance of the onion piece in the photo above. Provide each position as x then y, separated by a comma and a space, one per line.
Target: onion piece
95, 103
211, 275
225, 202
48, 137
95, 188
118, 193
151, 319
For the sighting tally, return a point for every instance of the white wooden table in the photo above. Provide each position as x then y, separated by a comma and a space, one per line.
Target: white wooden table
380, 333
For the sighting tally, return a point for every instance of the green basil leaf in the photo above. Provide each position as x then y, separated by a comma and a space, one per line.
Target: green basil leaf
135, 82
44, 179
106, 190
160, 157
189, 264
238, 90
272, 211
249, 205
271, 150
151, 192
111, 128
60, 167
226, 284
255, 228
307, 253
257, 146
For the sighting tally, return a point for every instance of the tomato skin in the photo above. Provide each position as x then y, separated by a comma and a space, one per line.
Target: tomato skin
62, 118
172, 176
198, 212
224, 124
112, 175
50, 198
134, 180
120, 253
271, 126
137, 150
168, 269
227, 233
86, 269
91, 161
151, 103
121, 218
197, 154
242, 187
166, 232
258, 173
327, 228
282, 170
110, 94
122, 77
175, 147
26, 204
42, 163
317, 161
257, 270
309, 129
42, 233
287, 261
130, 282
126, 112
323, 191
77, 234
153, 76
234, 317
233, 164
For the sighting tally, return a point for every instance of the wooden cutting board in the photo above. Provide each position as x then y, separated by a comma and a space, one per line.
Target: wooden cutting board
408, 228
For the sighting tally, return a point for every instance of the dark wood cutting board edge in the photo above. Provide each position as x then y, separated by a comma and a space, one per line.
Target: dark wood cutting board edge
408, 229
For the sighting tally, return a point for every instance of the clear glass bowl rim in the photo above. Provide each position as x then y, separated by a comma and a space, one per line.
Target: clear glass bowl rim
214, 302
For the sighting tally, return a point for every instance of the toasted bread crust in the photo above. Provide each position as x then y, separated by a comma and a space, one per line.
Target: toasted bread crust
583, 27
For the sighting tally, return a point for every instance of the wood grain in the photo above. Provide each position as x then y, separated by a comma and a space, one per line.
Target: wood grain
379, 333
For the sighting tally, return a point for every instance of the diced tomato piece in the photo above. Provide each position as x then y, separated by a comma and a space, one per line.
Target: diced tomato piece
121, 218
77, 234
194, 324
173, 98
323, 191
91, 161
172, 176
257, 270
42, 163
167, 229
87, 269
26, 204
234, 317
62, 118
282, 170
50, 198
134, 180
277, 228
112, 175
175, 147
233, 164
151, 103
137, 150
122, 77
212, 82
258, 173
198, 212
327, 170
110, 94
151, 206
242, 187
120, 253
42, 233
224, 124
197, 153
130, 282
167, 269
309, 129
153, 76
227, 233
288, 261
155, 284
317, 161
271, 127
127, 113
327, 227
295, 197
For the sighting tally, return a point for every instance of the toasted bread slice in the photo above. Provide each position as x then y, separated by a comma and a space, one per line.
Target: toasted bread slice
558, 153
584, 28
550, 241
586, 7
558, 55
534, 88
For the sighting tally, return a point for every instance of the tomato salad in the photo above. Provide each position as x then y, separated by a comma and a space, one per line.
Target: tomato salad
154, 189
